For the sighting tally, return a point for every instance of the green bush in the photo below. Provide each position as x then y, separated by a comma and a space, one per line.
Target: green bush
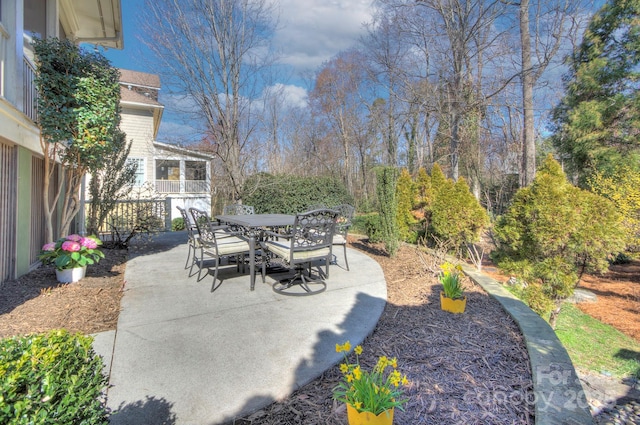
368, 224
286, 194
387, 178
405, 195
177, 224
456, 215
52, 378
554, 231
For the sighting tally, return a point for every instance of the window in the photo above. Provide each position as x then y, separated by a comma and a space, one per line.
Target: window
195, 170
140, 171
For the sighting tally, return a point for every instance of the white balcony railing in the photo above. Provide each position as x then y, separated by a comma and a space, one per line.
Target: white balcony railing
182, 186
4, 41
30, 92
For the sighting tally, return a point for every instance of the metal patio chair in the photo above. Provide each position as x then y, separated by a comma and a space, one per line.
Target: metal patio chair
192, 232
238, 209
217, 242
343, 223
309, 240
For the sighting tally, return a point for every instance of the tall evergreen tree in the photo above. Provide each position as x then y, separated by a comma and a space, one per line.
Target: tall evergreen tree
597, 122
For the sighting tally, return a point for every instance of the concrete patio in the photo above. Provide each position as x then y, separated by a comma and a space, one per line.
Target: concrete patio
184, 355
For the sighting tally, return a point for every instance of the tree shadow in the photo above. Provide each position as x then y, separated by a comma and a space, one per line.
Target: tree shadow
151, 411
625, 404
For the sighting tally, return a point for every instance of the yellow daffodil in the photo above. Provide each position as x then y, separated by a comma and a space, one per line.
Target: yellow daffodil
357, 373
369, 391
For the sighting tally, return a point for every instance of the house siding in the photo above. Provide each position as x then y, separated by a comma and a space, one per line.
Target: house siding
137, 125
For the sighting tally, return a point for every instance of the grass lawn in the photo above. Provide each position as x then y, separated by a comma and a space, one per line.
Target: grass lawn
595, 346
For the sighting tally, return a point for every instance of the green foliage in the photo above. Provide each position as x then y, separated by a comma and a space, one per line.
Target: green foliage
111, 183
423, 190
387, 178
536, 298
597, 121
288, 194
450, 280
456, 215
369, 224
405, 195
78, 101
177, 224
554, 231
54, 378
622, 187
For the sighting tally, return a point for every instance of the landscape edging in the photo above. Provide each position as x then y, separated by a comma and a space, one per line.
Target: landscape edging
558, 394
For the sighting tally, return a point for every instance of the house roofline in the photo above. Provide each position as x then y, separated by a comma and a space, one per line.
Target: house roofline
182, 150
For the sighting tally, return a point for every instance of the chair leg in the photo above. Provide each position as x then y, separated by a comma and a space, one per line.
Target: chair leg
195, 261
186, 265
200, 277
346, 263
299, 280
215, 275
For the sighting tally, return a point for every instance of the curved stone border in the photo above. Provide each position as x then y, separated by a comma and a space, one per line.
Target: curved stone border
558, 394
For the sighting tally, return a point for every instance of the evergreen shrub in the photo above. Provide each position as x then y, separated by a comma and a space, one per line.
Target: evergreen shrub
387, 179
288, 194
456, 216
53, 378
554, 231
177, 224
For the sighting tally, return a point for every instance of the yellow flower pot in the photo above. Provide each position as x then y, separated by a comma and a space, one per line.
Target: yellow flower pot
451, 305
367, 418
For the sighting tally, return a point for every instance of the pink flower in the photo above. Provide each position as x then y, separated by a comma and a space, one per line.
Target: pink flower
89, 243
74, 237
49, 246
71, 246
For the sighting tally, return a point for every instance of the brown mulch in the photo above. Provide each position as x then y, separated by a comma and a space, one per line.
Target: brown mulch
471, 368
618, 291
36, 302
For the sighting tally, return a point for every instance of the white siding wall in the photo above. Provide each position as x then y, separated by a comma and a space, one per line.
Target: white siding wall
138, 125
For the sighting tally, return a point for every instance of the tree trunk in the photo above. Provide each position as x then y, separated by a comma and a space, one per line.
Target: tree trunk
528, 141
553, 316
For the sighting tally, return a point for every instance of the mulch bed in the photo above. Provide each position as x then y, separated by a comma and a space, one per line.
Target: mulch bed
36, 302
463, 369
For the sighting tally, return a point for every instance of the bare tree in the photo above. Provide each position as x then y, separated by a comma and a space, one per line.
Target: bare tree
544, 27
217, 54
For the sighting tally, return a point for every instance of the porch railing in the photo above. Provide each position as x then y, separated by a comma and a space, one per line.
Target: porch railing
182, 186
30, 107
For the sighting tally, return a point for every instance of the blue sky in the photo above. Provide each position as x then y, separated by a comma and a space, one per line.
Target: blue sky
312, 31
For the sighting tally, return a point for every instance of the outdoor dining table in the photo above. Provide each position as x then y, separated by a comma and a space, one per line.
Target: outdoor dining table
253, 226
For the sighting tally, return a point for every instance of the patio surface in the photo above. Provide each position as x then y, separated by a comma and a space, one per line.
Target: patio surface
184, 355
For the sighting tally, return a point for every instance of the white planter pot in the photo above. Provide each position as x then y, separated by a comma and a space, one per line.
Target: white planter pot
71, 275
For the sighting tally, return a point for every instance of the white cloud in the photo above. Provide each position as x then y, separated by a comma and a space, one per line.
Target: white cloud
312, 31
293, 96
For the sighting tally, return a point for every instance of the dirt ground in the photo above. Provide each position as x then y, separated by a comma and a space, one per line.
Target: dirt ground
478, 357
617, 292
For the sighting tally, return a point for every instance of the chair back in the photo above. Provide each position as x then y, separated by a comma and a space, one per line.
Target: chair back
345, 215
238, 209
202, 223
313, 230
188, 223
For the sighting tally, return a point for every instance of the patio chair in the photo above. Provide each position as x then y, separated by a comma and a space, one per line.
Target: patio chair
238, 209
216, 242
192, 232
343, 223
309, 240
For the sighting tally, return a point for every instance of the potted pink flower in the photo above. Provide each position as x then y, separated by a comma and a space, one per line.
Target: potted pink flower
71, 255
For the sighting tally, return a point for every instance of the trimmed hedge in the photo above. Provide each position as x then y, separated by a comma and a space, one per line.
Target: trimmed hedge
286, 194
52, 378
